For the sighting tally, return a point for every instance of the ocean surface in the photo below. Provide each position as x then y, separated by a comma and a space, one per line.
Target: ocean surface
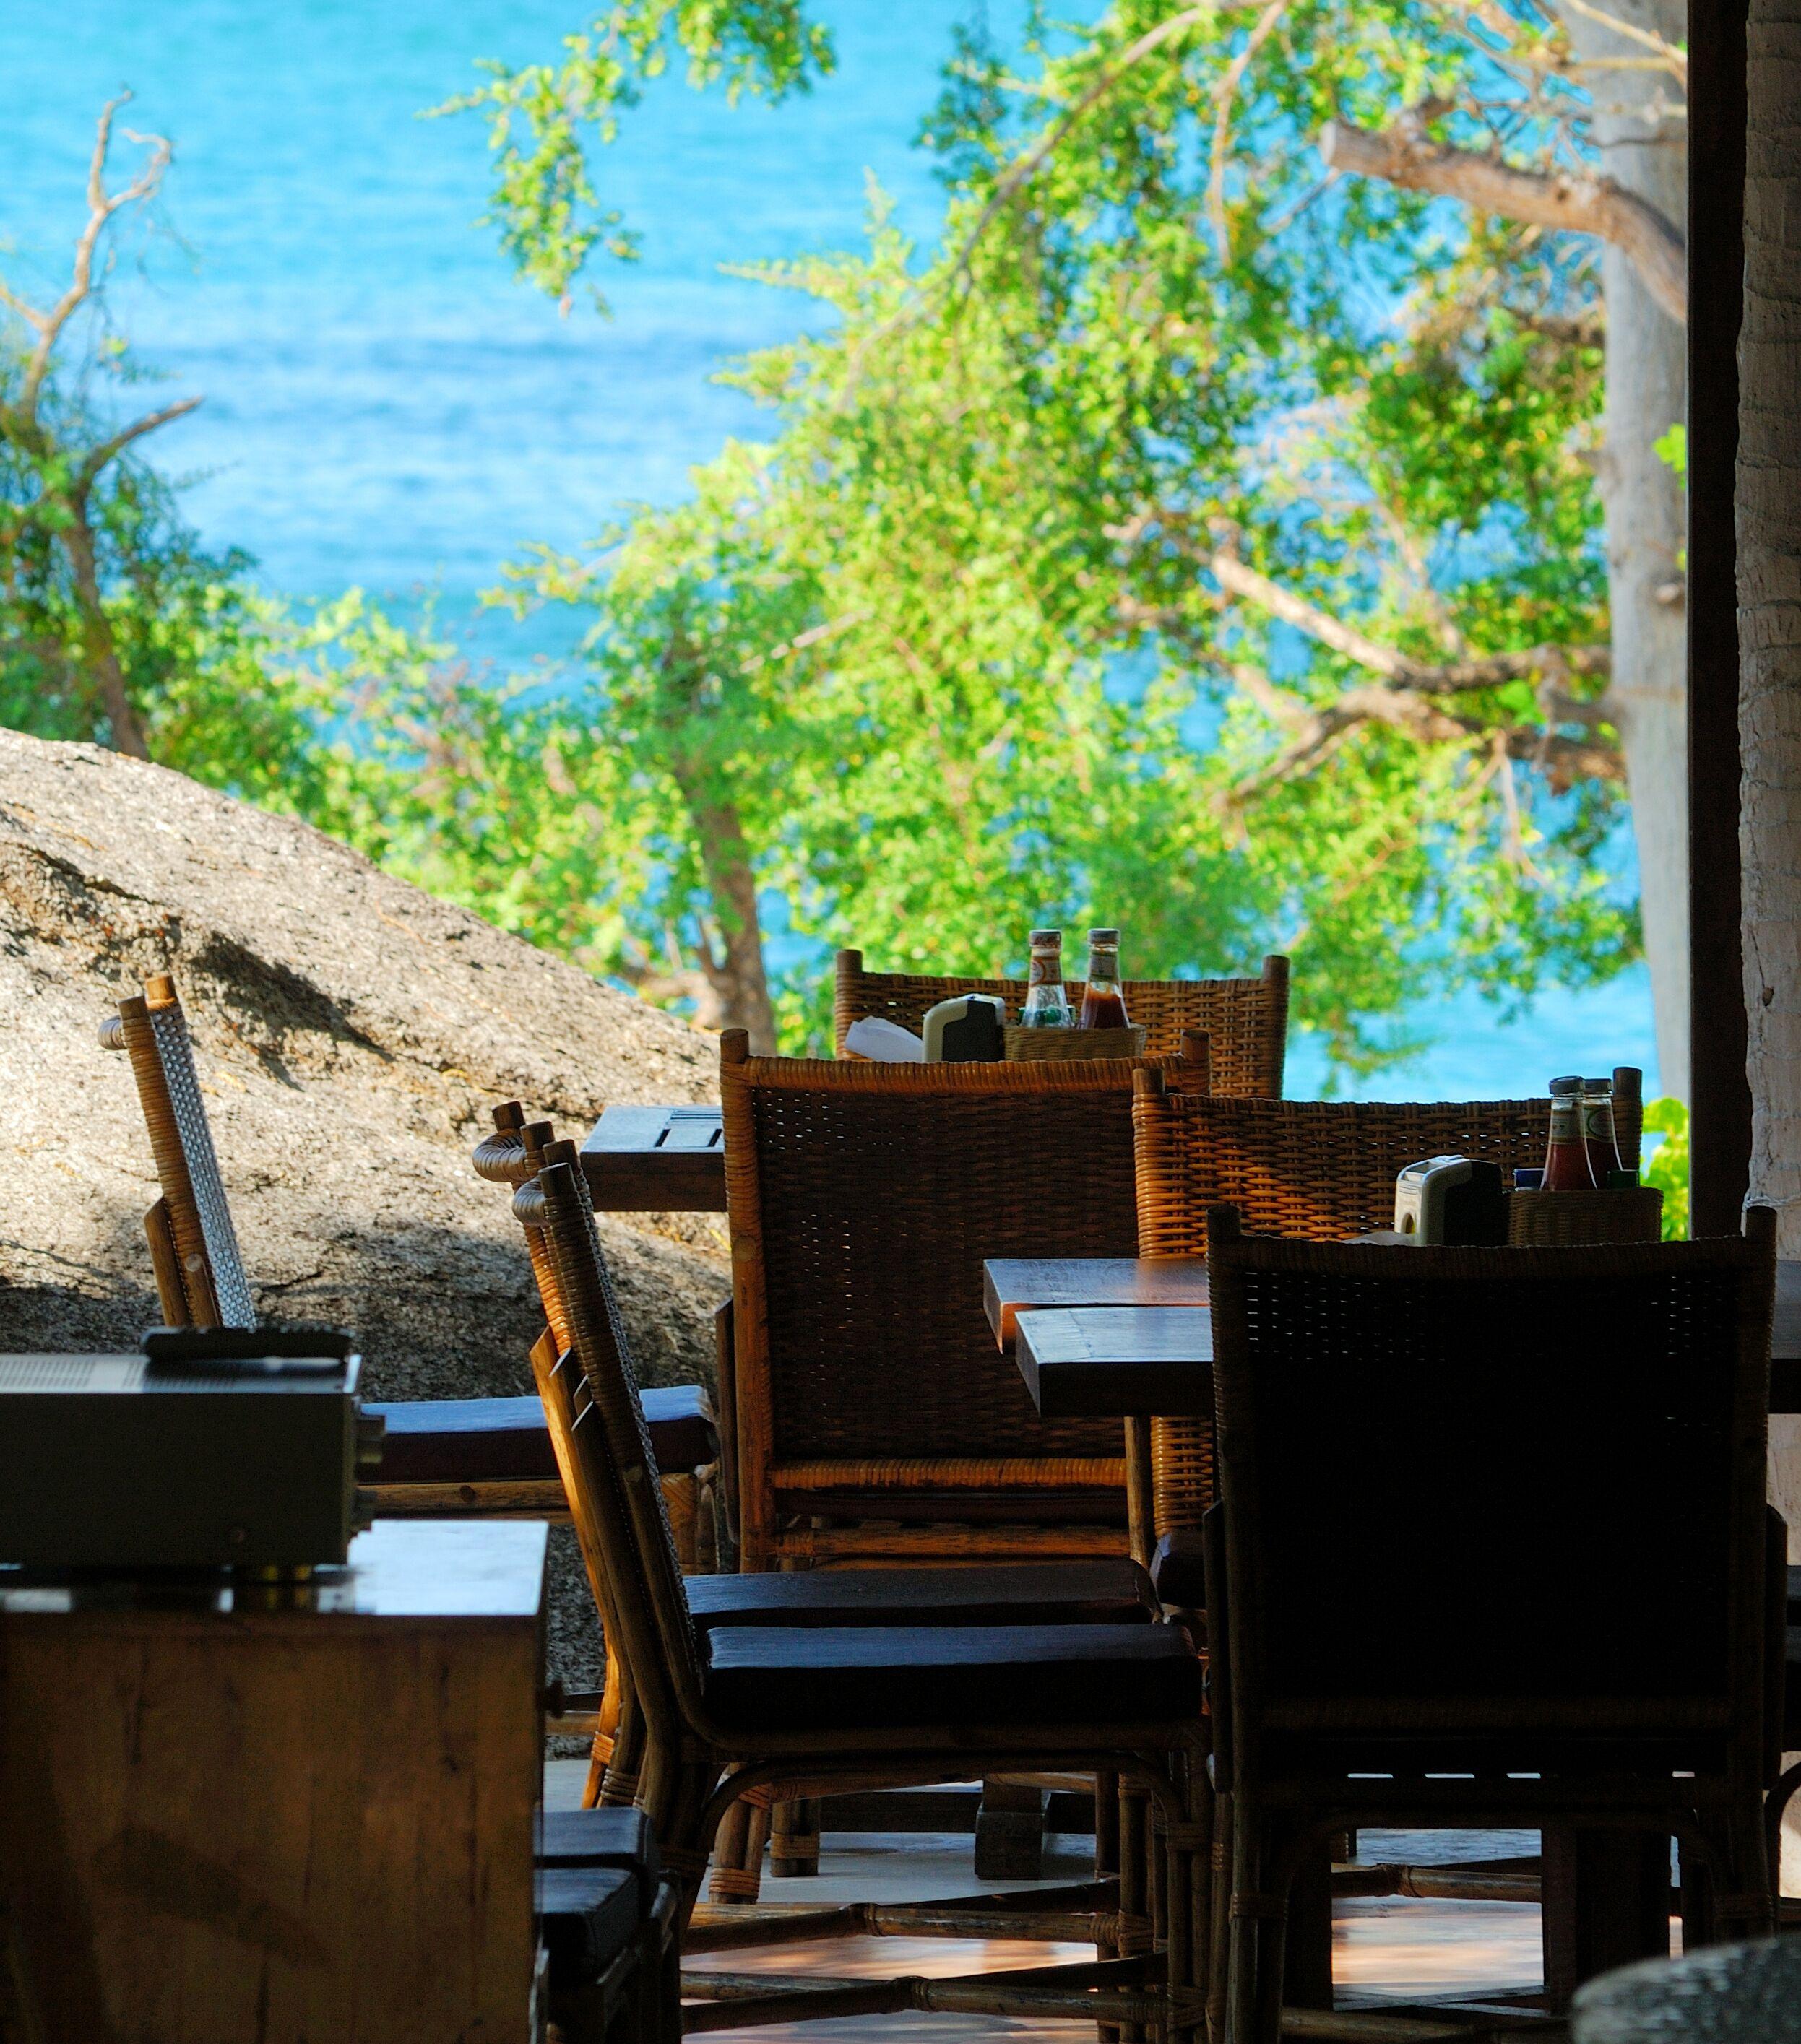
386, 407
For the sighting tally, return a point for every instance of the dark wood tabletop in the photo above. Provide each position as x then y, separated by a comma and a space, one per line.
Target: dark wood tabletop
657, 1160
1110, 1337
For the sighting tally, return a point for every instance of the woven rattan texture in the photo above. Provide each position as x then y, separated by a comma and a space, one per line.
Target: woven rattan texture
1544, 1468
230, 1286
880, 1189
1319, 1169
1247, 1019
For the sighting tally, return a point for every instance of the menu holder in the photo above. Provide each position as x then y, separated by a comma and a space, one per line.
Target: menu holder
1026, 1043
1578, 1221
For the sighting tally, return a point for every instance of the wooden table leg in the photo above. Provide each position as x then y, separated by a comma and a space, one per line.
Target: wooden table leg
1306, 1974
1607, 1902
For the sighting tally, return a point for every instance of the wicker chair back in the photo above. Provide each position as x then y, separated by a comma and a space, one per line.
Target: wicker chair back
200, 1275
1246, 1019
1321, 1170
1522, 1424
864, 1198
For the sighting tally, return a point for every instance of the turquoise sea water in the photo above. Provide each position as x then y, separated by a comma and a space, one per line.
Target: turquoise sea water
385, 406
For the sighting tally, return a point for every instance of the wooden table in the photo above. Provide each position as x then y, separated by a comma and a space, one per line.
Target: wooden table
1111, 1337
287, 1814
657, 1160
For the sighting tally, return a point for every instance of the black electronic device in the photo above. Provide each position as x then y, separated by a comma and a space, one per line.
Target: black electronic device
211, 1449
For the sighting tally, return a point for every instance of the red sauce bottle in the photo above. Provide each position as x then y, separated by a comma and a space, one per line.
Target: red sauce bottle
1568, 1168
1103, 1004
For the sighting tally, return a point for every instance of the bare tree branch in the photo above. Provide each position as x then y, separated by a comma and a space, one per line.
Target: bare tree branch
1480, 670
1668, 56
101, 204
107, 450
1577, 203
1225, 93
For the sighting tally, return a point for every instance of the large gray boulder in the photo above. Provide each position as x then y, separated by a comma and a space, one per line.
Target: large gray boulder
352, 1034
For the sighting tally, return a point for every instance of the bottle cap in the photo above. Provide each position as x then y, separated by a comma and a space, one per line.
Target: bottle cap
1047, 940
1622, 1181
1597, 1086
1104, 936
1561, 1087
1529, 1178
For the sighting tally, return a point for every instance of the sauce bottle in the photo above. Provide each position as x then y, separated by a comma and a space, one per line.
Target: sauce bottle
1047, 1006
1103, 1002
1598, 1129
1566, 1167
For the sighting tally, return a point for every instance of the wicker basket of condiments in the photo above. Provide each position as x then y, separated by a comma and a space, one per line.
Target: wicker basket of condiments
1575, 1221
1126, 1043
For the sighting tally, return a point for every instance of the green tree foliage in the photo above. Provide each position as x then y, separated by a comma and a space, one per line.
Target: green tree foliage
544, 118
1188, 540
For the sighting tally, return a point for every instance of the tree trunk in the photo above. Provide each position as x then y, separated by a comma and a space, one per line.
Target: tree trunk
100, 653
735, 974
1769, 710
1645, 151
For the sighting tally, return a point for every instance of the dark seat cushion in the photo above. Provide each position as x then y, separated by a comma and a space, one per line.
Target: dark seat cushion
761, 1678
586, 1917
622, 1839
1095, 1592
1177, 1571
504, 1440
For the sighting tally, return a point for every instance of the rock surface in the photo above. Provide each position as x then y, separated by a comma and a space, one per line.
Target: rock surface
352, 1034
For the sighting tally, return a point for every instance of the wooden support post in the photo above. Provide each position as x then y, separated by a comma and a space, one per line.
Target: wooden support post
1607, 1902
1010, 1830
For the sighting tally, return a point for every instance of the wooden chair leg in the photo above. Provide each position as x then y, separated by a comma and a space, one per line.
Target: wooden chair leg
794, 1840
1106, 1825
1134, 1900
730, 1882
620, 1789
1186, 1838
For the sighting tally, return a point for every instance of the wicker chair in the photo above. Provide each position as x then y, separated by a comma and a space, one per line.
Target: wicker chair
1549, 1600
1302, 1169
727, 1709
1246, 1019
442, 1457
875, 1417
1103, 1591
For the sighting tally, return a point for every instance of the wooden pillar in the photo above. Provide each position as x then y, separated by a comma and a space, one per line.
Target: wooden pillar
1719, 1095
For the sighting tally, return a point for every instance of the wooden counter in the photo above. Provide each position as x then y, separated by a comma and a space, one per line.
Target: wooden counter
283, 1814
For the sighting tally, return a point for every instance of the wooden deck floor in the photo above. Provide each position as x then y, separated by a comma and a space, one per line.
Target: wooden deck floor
1383, 1950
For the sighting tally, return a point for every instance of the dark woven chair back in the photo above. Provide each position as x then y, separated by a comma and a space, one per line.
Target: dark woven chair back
648, 1598
864, 1198
1558, 1463
207, 1285
1246, 1019
1318, 1169
1322, 1170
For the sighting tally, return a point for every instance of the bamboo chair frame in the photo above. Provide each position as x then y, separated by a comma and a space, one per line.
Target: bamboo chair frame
836, 1231
753, 1823
508, 1157
1247, 1020
193, 1252
1305, 1170
692, 1768
1303, 1751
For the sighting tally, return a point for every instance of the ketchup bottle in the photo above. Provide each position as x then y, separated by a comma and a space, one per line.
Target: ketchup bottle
1567, 1166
